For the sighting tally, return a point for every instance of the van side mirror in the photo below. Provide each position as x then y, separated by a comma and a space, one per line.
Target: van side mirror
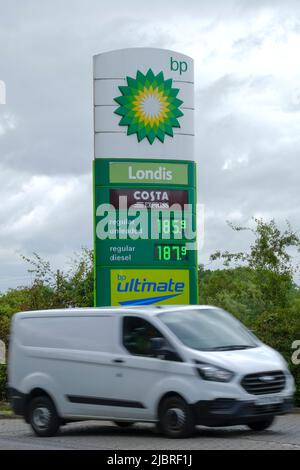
158, 346
161, 349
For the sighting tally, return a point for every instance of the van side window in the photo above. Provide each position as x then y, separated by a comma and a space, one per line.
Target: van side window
137, 334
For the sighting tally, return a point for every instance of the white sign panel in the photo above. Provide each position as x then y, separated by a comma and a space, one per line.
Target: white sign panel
144, 104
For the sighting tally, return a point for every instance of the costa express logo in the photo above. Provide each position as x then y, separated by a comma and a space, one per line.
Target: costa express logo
143, 198
149, 106
138, 287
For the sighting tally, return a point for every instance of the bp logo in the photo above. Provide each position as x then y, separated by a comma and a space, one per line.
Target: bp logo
149, 106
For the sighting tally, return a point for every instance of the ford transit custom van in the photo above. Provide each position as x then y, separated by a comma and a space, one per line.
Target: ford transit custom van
174, 366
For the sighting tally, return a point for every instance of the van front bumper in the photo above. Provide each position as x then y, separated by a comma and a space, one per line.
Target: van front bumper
230, 412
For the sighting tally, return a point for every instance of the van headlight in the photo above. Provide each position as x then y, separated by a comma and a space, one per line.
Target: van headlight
214, 373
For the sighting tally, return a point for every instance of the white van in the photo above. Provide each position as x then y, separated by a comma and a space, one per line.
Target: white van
174, 366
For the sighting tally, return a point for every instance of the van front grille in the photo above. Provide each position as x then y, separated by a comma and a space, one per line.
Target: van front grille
264, 383
266, 409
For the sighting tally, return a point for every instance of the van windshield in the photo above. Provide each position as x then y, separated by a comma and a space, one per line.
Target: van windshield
210, 329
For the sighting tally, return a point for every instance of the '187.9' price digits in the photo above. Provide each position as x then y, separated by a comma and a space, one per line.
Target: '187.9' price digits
171, 253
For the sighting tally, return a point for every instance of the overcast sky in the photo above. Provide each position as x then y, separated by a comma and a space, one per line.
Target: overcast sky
247, 122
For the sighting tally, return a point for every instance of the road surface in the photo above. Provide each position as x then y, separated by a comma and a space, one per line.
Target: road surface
285, 434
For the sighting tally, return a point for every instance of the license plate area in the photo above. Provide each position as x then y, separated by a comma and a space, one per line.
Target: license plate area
263, 401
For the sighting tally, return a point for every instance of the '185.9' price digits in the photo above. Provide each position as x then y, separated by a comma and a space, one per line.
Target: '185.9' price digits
171, 227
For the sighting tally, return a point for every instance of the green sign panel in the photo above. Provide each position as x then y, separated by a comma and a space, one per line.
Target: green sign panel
133, 253
148, 173
145, 232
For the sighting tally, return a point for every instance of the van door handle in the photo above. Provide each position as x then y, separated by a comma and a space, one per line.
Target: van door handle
118, 361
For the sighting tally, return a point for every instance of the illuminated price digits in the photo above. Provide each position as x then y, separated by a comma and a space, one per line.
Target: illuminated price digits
171, 227
171, 253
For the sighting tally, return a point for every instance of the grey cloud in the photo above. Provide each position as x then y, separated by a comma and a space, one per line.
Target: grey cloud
244, 45
267, 185
211, 97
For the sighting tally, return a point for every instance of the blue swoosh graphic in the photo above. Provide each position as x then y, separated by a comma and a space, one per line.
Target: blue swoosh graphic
151, 301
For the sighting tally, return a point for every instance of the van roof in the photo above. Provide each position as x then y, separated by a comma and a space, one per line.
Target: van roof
113, 310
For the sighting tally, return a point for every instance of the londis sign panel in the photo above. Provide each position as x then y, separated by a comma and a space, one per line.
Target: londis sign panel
144, 178
148, 173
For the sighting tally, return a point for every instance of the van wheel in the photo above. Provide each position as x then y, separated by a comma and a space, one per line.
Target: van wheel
176, 419
123, 424
261, 425
43, 417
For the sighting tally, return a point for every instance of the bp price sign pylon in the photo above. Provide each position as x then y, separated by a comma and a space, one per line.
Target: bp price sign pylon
144, 179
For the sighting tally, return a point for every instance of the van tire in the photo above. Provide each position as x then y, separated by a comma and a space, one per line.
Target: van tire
43, 416
123, 424
261, 425
176, 419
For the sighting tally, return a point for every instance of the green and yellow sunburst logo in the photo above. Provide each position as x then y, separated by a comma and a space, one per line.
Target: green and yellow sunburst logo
149, 106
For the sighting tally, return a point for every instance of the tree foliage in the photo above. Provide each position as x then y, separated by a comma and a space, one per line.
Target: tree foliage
269, 252
257, 286
50, 289
269, 258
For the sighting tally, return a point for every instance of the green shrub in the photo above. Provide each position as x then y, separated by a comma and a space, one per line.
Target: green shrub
279, 329
3, 382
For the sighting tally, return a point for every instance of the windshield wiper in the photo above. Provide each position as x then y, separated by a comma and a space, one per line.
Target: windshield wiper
233, 347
